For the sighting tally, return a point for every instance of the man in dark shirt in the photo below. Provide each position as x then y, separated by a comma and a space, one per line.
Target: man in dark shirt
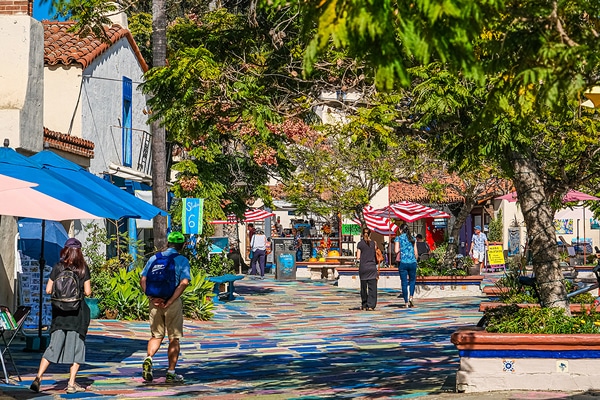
422, 247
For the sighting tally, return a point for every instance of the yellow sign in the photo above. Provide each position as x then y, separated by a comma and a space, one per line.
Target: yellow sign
495, 255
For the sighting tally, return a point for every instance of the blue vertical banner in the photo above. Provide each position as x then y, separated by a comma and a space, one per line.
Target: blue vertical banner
191, 216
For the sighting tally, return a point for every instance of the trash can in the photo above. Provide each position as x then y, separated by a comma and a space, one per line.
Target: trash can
284, 257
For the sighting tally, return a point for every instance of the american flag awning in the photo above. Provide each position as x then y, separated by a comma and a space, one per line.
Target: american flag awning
252, 215
381, 225
409, 211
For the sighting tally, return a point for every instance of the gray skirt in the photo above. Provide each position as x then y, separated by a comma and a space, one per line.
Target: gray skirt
66, 347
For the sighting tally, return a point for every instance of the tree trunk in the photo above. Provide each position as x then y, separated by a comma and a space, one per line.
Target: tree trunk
159, 150
452, 249
539, 218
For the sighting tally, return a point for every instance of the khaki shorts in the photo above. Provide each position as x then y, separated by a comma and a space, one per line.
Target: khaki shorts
167, 320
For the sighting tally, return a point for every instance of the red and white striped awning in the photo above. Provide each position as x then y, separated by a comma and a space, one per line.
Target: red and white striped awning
257, 215
409, 211
381, 225
252, 215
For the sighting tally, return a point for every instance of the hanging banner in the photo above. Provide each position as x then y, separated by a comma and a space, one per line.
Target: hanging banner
191, 216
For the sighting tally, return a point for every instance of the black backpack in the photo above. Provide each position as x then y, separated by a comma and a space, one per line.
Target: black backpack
66, 292
160, 278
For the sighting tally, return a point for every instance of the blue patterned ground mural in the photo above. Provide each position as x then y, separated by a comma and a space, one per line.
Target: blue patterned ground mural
277, 340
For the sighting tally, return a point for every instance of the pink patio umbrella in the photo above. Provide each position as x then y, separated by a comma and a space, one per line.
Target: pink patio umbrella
8, 183
571, 196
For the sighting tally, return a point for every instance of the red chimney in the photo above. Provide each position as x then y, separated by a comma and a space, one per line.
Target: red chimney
16, 7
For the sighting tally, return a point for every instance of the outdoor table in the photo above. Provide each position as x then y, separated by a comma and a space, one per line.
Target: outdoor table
227, 279
342, 259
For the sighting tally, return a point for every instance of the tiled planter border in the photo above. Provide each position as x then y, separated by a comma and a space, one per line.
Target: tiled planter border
507, 361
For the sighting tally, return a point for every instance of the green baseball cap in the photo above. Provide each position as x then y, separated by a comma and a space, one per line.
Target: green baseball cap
176, 237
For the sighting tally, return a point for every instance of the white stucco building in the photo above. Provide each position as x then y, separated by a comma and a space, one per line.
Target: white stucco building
91, 90
77, 95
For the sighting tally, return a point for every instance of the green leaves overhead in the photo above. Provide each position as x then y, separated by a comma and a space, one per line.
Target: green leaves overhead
392, 35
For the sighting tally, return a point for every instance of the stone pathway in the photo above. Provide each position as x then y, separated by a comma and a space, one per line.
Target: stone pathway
278, 340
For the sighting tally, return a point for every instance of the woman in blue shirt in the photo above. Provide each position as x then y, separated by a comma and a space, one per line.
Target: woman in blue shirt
406, 250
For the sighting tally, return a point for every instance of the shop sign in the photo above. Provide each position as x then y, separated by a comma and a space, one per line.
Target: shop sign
191, 216
495, 255
350, 229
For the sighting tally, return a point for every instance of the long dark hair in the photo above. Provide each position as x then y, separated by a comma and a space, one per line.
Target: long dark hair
366, 235
73, 259
404, 229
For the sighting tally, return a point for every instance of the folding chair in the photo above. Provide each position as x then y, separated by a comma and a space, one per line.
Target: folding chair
8, 335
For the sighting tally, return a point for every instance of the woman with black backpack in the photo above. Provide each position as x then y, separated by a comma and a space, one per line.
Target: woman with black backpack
69, 282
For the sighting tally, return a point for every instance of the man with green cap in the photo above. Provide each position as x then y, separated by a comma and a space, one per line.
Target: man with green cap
164, 278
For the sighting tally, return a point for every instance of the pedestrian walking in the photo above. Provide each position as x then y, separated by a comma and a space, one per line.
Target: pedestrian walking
297, 243
367, 271
69, 282
259, 246
164, 278
406, 256
479, 243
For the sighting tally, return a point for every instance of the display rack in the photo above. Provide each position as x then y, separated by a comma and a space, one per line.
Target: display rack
29, 284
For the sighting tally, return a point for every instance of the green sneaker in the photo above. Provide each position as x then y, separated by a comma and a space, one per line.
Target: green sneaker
147, 369
174, 378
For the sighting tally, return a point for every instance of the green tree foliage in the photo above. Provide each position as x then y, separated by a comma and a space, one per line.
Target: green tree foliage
496, 229
519, 69
341, 167
140, 25
392, 35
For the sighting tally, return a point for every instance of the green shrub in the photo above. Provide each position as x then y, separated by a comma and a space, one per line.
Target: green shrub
434, 265
197, 298
126, 295
210, 264
513, 319
127, 298
496, 229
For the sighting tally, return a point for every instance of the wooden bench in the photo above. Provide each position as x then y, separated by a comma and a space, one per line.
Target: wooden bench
229, 281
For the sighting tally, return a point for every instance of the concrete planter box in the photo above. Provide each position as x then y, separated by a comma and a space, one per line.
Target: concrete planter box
512, 361
427, 286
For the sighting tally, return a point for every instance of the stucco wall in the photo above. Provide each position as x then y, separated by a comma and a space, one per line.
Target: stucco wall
102, 100
21, 74
511, 212
61, 94
99, 103
8, 230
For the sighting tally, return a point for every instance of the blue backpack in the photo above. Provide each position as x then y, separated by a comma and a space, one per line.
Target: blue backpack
160, 279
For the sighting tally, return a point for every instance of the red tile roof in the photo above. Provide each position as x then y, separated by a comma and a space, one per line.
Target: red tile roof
67, 48
400, 191
68, 143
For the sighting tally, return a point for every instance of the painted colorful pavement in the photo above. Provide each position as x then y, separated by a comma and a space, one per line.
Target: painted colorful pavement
292, 340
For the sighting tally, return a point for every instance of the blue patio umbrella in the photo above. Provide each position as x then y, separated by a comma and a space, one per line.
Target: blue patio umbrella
71, 192
78, 177
64, 189
30, 239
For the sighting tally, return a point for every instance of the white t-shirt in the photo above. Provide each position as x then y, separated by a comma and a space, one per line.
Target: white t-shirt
259, 242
